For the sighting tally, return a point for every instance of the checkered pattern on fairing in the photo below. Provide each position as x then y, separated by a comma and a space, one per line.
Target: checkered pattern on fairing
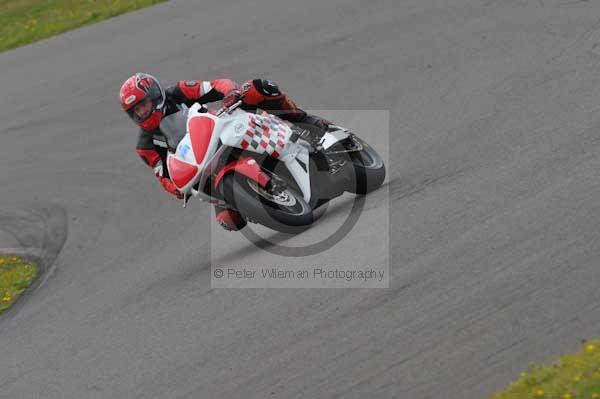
264, 134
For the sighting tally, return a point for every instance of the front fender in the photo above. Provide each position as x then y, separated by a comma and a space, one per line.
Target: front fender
247, 167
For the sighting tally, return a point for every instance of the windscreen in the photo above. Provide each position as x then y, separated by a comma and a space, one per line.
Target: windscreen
174, 127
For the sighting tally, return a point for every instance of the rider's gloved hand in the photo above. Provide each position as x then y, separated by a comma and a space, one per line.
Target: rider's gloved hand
231, 98
170, 187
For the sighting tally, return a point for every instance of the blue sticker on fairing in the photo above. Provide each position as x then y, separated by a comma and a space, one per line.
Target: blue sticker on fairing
184, 150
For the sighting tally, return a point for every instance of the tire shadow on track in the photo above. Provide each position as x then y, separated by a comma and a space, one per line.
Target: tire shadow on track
273, 241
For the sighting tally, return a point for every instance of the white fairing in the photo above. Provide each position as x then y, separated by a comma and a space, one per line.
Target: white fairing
255, 129
184, 148
261, 134
296, 152
247, 131
335, 134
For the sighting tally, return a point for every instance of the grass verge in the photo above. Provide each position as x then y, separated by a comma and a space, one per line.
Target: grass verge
15, 276
27, 21
573, 376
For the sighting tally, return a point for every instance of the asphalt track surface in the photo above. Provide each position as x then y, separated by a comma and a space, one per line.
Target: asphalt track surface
493, 196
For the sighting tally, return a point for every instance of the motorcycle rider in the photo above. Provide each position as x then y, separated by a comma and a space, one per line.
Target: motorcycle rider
146, 102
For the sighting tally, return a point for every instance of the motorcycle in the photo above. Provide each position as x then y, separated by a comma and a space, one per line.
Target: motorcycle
271, 171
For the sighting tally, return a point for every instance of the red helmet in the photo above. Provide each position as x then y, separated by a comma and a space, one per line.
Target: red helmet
143, 99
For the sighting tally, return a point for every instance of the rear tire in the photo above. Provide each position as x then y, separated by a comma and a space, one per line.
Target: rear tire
369, 169
286, 212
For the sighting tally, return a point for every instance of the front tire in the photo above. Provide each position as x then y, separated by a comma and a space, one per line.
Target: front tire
284, 211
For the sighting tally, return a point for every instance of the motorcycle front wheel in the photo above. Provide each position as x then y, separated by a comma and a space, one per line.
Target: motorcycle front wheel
282, 209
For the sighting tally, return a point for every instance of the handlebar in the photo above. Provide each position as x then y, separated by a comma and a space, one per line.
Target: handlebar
232, 108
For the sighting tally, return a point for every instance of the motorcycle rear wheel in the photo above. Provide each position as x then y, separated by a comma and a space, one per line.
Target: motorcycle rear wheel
369, 169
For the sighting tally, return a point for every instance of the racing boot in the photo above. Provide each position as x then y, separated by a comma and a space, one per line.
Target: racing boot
229, 219
315, 126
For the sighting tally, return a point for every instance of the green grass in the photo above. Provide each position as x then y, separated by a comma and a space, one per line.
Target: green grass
27, 21
15, 276
573, 376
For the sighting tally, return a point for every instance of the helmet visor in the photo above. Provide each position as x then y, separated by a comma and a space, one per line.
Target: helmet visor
155, 93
